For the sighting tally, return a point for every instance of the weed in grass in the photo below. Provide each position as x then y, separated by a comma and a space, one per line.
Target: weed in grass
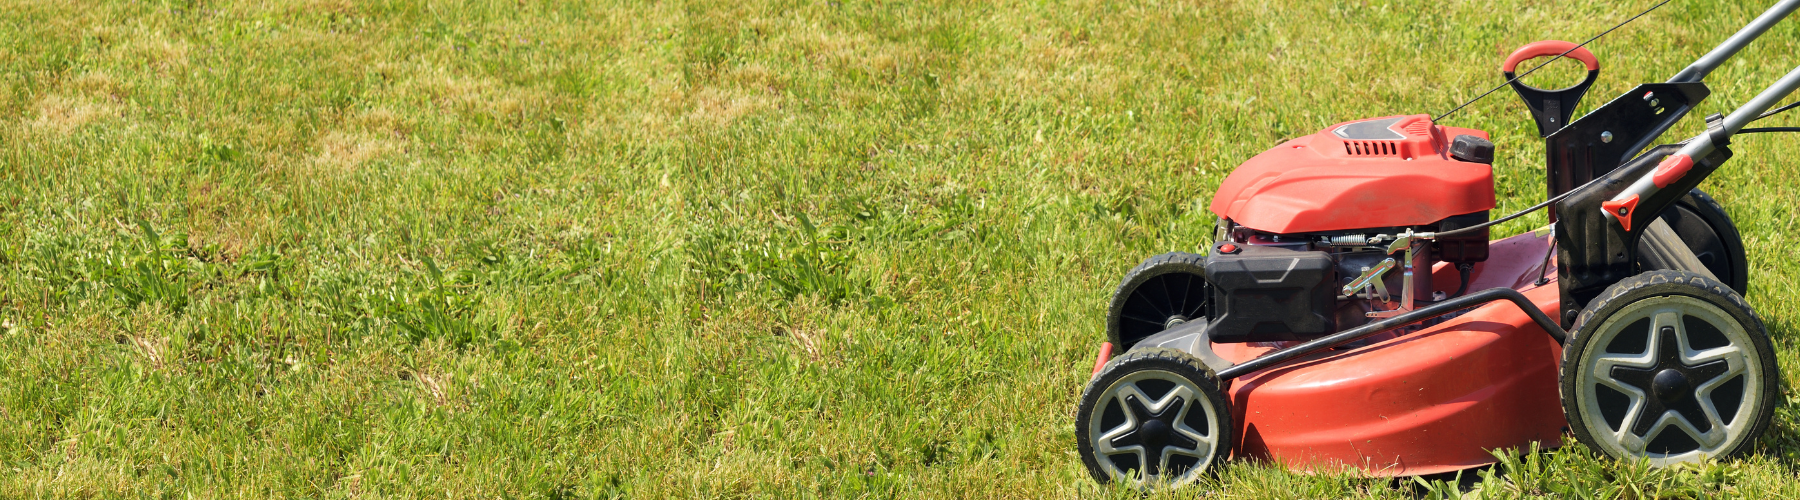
1435, 489
271, 271
445, 308
802, 261
346, 302
157, 271
814, 266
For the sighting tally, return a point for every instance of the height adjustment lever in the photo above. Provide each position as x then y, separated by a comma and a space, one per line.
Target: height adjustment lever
1551, 108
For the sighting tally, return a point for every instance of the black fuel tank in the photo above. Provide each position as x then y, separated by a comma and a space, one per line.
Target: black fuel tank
1263, 293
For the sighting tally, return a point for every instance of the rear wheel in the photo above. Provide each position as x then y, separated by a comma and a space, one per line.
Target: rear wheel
1164, 291
1707, 230
1153, 416
1669, 366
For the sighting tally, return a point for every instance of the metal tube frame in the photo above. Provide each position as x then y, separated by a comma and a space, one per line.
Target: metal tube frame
1439, 309
1703, 144
1718, 55
1742, 116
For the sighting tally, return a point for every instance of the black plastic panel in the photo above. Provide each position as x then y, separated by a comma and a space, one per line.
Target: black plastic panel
1582, 151
1269, 294
1472, 247
1593, 251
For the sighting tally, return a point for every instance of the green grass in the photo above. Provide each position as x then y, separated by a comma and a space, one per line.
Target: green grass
324, 248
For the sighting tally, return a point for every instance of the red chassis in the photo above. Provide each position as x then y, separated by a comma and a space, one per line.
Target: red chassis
1431, 401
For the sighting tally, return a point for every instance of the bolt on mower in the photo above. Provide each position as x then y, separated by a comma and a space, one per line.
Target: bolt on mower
1353, 314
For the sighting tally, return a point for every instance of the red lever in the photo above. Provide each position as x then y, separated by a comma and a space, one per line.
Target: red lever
1550, 48
1671, 169
1622, 210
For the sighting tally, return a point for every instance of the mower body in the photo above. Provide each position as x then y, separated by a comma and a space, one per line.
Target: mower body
1431, 401
1423, 400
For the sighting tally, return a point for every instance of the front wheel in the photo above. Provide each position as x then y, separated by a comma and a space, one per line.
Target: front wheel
1669, 366
1153, 416
1160, 293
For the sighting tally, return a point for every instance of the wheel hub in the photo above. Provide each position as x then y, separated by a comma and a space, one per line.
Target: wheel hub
1174, 320
1671, 380
1155, 432
1153, 415
1670, 385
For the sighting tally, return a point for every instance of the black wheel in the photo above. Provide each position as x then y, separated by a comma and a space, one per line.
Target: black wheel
1164, 291
1669, 366
1153, 416
1708, 231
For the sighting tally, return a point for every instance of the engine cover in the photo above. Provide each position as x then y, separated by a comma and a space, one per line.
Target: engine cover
1383, 172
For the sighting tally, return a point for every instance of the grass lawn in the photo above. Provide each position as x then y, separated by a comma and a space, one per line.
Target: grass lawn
334, 248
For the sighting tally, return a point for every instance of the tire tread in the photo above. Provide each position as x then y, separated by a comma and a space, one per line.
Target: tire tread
1157, 357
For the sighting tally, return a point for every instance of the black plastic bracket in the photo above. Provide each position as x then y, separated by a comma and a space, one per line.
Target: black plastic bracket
1552, 108
1715, 130
1611, 135
1594, 251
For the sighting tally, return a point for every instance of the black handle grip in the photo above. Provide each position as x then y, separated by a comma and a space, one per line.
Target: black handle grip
1552, 109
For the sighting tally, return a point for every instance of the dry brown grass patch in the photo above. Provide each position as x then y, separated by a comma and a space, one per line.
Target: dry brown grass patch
349, 150
64, 114
155, 350
383, 121
478, 96
99, 85
721, 107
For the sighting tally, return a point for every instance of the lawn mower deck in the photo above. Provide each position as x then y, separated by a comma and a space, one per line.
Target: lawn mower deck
1352, 313
1426, 402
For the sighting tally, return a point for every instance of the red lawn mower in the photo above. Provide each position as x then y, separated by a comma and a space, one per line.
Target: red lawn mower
1331, 324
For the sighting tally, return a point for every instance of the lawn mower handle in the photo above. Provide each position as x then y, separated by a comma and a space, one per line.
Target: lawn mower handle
1551, 108
1623, 207
1421, 314
1610, 204
1701, 67
1550, 48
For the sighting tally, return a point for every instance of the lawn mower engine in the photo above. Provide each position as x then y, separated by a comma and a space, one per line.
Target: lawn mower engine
1310, 236
1271, 287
